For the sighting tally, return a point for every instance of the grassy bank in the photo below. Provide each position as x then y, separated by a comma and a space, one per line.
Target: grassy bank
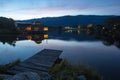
65, 71
4, 68
1, 79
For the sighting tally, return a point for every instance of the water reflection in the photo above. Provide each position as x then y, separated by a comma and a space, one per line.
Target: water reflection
11, 39
78, 45
34, 37
109, 36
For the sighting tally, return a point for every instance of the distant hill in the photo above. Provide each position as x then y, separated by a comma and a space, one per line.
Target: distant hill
70, 20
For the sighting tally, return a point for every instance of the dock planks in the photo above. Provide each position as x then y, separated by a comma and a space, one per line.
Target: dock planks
39, 63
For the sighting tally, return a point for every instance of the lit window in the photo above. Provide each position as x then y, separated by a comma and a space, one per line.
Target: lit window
45, 28
28, 28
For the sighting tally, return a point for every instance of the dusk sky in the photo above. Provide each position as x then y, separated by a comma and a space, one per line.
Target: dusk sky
27, 9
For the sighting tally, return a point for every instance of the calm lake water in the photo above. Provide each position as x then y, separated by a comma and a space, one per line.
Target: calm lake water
78, 48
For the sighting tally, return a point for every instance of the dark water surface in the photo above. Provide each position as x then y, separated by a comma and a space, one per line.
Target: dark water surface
77, 48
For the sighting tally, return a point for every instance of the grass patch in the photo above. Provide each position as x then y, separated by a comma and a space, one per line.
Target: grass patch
65, 71
4, 68
1, 78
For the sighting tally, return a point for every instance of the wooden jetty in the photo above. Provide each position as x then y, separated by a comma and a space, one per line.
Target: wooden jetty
39, 63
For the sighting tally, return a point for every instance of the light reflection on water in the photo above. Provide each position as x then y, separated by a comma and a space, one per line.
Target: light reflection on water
105, 59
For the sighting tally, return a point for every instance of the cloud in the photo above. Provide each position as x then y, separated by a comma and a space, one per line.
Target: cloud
23, 9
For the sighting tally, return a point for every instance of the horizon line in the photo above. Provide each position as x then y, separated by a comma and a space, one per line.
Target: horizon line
60, 16
66, 15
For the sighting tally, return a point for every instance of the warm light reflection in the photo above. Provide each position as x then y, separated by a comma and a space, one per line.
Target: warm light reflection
45, 28
29, 37
38, 41
45, 36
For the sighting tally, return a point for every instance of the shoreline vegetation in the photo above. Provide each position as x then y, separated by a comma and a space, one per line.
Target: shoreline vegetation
8, 25
66, 71
4, 68
62, 71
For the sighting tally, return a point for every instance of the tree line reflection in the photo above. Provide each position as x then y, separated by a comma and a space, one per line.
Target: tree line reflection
11, 39
108, 33
109, 36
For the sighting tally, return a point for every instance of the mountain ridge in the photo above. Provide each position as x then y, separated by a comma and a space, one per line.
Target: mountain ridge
70, 20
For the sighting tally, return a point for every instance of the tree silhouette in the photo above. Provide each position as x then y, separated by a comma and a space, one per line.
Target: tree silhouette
113, 20
7, 24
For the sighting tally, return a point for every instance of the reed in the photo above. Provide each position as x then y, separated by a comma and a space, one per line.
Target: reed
66, 71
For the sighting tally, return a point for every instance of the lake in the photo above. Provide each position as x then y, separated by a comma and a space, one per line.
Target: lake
78, 47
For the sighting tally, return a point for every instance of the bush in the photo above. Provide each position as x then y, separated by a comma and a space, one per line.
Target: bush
4, 68
1, 78
65, 71
7, 24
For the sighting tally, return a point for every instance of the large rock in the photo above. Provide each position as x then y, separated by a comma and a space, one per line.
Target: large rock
26, 76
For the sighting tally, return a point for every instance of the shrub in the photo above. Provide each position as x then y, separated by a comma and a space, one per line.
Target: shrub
4, 68
66, 71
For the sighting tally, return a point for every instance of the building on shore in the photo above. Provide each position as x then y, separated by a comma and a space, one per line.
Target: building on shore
32, 27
